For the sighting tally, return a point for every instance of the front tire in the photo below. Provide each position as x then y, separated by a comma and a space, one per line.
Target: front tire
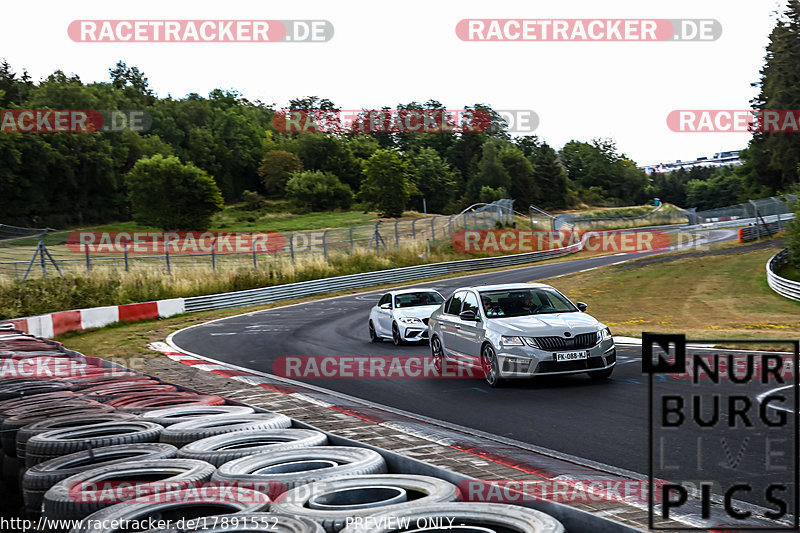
373, 336
601, 375
396, 338
490, 367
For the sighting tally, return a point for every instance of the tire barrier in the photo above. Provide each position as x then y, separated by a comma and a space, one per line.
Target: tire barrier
200, 428
220, 449
57, 442
87, 492
68, 441
332, 502
38, 479
174, 415
291, 468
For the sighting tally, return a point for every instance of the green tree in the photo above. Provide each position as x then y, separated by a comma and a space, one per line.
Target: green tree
775, 155
275, 170
549, 176
387, 185
318, 191
329, 153
435, 181
172, 195
490, 172
522, 188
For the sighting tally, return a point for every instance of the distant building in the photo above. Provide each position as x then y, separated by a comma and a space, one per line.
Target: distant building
720, 159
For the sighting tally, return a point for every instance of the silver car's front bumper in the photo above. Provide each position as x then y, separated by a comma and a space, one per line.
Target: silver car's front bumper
526, 362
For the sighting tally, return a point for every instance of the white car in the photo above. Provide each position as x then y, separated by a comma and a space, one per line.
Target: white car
402, 316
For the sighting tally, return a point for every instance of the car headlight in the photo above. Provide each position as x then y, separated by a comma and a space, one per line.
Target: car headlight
604, 334
409, 320
511, 341
531, 342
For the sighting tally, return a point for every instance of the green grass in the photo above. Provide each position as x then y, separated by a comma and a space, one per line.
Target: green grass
790, 272
722, 296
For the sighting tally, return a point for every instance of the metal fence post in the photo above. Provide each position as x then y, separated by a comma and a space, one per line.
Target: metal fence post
88, 259
758, 229
413, 230
433, 229
352, 244
450, 226
325, 245
214, 255
125, 254
291, 246
778, 210
166, 256
255, 260
396, 235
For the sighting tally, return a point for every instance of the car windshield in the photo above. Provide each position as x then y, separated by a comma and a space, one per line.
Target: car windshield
416, 299
522, 302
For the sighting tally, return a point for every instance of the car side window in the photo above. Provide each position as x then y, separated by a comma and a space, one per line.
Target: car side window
385, 300
454, 306
471, 303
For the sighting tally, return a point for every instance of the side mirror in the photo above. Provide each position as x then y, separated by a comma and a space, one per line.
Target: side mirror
386, 306
581, 306
469, 316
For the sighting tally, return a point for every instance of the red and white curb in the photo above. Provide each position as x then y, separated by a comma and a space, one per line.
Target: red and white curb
54, 324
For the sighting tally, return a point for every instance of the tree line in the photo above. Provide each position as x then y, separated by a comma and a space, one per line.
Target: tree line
61, 180
225, 148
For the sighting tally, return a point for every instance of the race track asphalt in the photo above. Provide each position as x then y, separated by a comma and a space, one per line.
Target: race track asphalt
605, 422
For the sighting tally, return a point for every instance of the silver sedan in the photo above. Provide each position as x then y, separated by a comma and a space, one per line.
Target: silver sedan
519, 330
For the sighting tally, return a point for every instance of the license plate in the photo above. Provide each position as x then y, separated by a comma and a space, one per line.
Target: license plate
571, 356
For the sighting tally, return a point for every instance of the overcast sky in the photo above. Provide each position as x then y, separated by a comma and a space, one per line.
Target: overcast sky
386, 53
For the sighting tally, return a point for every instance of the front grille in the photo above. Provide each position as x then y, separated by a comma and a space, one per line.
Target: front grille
584, 340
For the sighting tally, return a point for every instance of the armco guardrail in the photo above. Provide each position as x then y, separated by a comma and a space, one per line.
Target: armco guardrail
785, 287
356, 281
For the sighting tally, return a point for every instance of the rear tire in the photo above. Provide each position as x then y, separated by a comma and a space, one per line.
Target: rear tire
373, 336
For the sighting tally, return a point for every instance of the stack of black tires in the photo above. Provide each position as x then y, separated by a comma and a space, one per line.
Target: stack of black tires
96, 449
